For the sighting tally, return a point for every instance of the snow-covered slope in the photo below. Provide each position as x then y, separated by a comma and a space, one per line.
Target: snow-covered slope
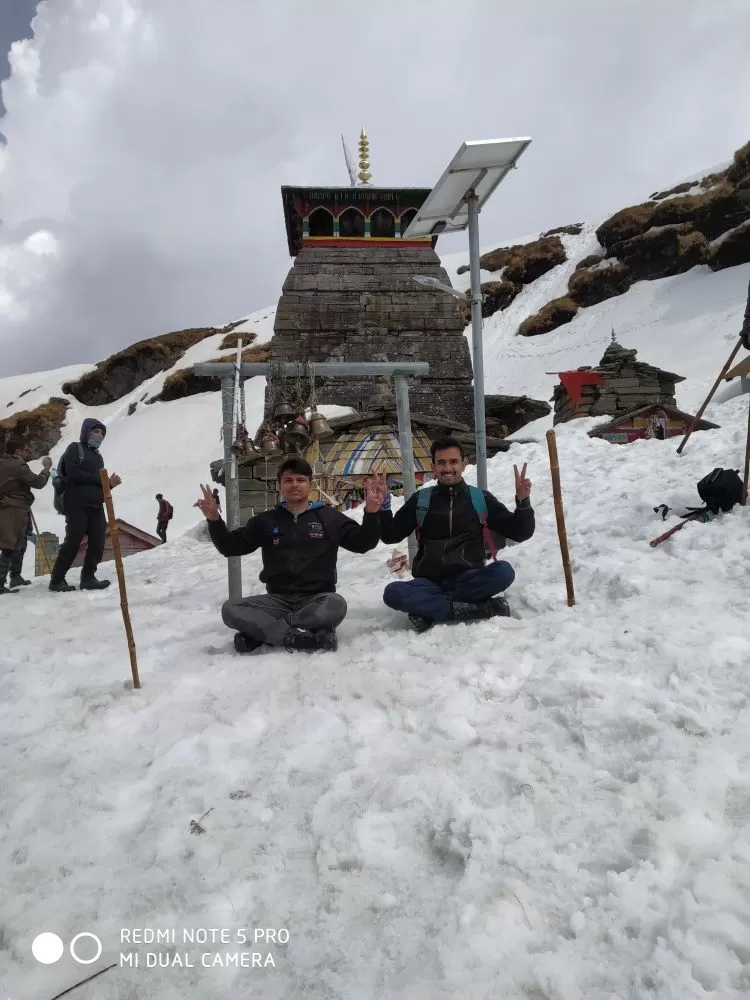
160, 448
550, 807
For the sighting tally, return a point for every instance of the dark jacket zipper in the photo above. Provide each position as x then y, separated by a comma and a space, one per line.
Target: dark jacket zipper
450, 514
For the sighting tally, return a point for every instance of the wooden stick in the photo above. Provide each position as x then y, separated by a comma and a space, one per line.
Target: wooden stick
747, 457
678, 527
709, 397
35, 526
560, 515
86, 980
114, 534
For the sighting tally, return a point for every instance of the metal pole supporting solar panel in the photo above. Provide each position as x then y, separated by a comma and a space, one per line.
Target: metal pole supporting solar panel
477, 356
403, 412
231, 483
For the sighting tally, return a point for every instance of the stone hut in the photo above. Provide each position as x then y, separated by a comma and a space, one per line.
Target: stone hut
624, 385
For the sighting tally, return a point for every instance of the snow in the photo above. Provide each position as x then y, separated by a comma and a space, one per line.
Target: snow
553, 806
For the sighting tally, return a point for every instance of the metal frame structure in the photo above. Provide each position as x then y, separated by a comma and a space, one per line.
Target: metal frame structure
452, 206
231, 376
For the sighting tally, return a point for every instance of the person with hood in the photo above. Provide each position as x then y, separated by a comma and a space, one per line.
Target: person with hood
299, 542
16, 483
451, 581
84, 508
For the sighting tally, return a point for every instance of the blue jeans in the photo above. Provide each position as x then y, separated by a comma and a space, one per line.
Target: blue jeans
433, 600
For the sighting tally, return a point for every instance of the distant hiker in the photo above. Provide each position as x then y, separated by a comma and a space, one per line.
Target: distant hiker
299, 542
16, 483
78, 471
453, 521
163, 517
217, 500
745, 334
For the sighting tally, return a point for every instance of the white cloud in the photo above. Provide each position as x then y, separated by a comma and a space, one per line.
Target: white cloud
150, 137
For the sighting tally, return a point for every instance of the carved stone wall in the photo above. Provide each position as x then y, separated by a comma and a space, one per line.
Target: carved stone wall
361, 304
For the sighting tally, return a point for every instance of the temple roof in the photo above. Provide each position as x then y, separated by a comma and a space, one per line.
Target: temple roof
408, 197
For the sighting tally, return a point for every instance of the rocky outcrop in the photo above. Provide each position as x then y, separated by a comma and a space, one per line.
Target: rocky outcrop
497, 295
589, 286
555, 313
731, 249
624, 225
230, 341
123, 372
572, 230
711, 213
185, 382
41, 427
507, 414
593, 258
660, 253
524, 262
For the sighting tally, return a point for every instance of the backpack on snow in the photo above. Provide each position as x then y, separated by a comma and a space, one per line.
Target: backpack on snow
721, 489
60, 480
480, 509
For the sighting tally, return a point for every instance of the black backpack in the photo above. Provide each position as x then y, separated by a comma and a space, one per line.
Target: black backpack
60, 481
721, 489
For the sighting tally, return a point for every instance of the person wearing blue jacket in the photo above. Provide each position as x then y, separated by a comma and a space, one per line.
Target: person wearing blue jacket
84, 508
299, 541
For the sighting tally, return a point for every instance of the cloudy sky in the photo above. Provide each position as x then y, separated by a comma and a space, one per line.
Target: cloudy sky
147, 139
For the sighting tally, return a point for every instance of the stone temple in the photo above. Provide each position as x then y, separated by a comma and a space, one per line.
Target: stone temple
351, 296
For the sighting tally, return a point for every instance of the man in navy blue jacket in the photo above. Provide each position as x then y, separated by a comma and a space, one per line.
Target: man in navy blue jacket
299, 542
84, 508
451, 581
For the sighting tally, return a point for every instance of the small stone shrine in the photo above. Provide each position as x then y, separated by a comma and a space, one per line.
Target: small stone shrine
623, 385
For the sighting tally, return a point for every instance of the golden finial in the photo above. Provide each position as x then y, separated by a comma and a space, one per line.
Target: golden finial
364, 158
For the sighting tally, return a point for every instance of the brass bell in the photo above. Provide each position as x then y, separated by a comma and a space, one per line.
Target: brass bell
320, 429
270, 445
283, 411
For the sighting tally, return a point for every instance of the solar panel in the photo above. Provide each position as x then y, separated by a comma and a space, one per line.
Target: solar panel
480, 164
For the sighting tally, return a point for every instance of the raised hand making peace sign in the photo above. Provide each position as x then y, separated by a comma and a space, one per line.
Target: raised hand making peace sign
523, 485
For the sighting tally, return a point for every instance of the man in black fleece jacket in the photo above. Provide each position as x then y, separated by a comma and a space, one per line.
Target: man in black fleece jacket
451, 581
84, 508
299, 542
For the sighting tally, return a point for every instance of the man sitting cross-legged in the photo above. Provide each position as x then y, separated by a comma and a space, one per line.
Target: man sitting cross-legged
453, 520
299, 541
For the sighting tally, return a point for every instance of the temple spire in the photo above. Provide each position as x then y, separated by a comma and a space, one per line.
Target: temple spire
364, 159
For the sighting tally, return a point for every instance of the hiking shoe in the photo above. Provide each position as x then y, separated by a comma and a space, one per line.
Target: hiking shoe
93, 584
245, 643
309, 641
419, 623
498, 607
463, 611
6, 590
60, 586
18, 581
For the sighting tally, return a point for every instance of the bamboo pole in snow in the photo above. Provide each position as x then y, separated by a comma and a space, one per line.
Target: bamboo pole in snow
114, 534
560, 515
709, 397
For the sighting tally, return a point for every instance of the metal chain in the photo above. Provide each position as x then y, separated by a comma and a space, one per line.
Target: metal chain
313, 396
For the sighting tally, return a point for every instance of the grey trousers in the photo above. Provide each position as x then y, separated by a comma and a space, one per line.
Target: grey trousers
268, 617
12, 559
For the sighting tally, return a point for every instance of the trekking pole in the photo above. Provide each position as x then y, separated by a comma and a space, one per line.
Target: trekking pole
114, 534
45, 554
709, 397
560, 515
747, 458
678, 527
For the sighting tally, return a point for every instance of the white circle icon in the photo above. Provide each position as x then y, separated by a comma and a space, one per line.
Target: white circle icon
86, 961
47, 948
